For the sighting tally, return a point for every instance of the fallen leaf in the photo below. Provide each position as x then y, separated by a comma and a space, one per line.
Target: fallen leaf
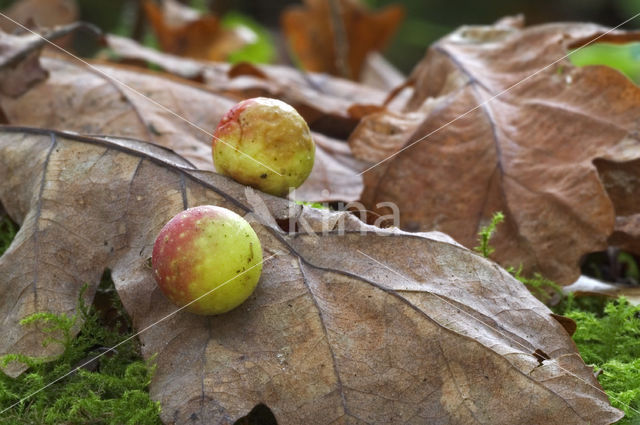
494, 130
369, 326
334, 176
129, 51
378, 72
183, 31
590, 287
325, 102
620, 175
336, 36
41, 13
246, 69
19, 65
627, 233
174, 13
88, 101
19, 58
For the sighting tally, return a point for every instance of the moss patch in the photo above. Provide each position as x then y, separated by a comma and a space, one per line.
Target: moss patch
486, 233
108, 391
8, 231
611, 343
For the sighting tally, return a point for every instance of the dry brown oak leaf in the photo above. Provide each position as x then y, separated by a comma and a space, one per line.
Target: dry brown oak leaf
558, 152
325, 102
365, 326
335, 36
89, 101
20, 67
183, 31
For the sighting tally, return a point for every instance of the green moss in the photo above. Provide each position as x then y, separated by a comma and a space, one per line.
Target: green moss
8, 231
485, 234
108, 391
611, 343
538, 285
541, 287
316, 205
592, 304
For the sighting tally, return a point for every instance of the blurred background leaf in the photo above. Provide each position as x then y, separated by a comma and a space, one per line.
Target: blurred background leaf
431, 19
623, 57
425, 22
260, 49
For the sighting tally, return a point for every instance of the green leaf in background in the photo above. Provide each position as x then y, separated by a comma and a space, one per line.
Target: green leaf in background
623, 57
261, 50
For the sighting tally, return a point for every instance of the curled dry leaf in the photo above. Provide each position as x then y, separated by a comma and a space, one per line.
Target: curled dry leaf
20, 67
365, 326
322, 100
557, 153
380, 73
325, 102
183, 31
334, 175
336, 36
587, 286
88, 101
